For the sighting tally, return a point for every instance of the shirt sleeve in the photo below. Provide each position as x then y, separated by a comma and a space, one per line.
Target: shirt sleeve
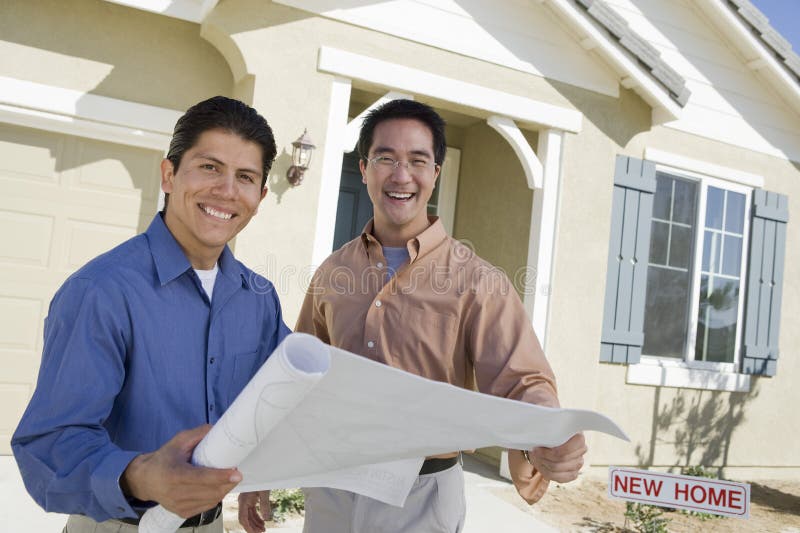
311, 319
509, 362
64, 453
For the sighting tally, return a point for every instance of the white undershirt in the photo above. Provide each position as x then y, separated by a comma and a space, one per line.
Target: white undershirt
207, 279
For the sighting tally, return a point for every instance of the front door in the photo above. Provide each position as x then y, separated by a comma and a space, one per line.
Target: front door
354, 208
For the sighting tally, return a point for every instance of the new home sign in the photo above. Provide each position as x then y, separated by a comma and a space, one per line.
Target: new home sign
727, 498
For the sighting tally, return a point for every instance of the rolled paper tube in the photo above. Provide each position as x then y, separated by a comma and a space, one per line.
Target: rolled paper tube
293, 369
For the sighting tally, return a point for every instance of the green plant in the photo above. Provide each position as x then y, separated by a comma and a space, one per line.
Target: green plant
285, 502
699, 471
645, 518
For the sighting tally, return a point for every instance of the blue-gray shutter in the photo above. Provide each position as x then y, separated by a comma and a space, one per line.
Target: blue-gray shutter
628, 254
764, 282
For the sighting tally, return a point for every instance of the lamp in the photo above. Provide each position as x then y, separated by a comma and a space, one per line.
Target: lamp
302, 149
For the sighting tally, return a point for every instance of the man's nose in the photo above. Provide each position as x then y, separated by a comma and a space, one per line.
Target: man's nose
401, 173
226, 185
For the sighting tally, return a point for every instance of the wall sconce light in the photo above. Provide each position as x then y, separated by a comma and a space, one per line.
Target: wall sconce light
302, 149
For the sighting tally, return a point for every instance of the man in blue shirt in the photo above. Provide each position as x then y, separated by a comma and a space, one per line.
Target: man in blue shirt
149, 343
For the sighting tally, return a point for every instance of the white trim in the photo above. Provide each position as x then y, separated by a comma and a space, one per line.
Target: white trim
703, 167
530, 163
542, 236
415, 81
50, 108
188, 10
331, 174
665, 373
448, 188
664, 107
753, 49
351, 131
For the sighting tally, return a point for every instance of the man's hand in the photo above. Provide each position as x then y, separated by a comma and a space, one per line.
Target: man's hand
254, 510
166, 476
562, 463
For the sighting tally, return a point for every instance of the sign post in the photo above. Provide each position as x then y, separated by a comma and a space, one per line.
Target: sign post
727, 498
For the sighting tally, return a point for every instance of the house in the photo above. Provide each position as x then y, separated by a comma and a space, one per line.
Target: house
632, 165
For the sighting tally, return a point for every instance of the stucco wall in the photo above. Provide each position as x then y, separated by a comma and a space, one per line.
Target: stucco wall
668, 426
492, 195
110, 50
272, 59
494, 202
280, 46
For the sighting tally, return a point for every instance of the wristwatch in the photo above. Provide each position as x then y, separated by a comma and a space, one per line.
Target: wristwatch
526, 456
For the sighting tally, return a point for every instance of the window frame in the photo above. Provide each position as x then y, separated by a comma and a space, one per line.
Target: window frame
687, 372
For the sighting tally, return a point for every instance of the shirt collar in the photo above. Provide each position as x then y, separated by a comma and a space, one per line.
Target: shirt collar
419, 245
171, 262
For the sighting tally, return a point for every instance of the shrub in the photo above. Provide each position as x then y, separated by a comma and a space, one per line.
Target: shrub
285, 502
645, 518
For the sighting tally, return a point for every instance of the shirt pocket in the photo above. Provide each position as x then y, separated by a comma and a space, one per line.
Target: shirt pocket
425, 342
243, 367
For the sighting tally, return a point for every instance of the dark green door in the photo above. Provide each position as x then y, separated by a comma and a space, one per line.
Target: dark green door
354, 208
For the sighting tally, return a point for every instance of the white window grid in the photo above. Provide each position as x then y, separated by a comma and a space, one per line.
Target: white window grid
704, 182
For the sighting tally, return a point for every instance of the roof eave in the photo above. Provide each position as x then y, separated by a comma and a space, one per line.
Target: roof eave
757, 54
188, 10
632, 75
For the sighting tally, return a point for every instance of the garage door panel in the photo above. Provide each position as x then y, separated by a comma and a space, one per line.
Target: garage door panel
87, 239
19, 366
63, 201
30, 154
106, 167
20, 325
26, 238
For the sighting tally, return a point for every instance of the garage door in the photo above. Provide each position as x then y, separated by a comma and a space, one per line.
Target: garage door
63, 200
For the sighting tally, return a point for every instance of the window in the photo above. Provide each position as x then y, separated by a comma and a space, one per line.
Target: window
695, 274
695, 270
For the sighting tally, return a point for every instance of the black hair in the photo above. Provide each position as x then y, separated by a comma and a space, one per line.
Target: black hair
404, 109
227, 114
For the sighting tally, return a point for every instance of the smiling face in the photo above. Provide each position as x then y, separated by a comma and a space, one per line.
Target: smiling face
213, 194
400, 195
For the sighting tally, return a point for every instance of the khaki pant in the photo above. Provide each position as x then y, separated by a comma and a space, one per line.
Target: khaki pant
83, 524
435, 504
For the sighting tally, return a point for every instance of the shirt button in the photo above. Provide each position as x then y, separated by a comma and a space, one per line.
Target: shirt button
370, 344
211, 361
380, 265
378, 303
121, 509
211, 407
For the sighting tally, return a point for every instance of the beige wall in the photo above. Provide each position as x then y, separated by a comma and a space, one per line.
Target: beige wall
271, 54
293, 95
110, 50
668, 426
493, 211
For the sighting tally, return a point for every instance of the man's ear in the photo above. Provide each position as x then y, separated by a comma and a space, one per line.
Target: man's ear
263, 195
167, 175
362, 166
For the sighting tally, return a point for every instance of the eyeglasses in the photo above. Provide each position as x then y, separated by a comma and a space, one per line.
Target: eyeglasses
415, 166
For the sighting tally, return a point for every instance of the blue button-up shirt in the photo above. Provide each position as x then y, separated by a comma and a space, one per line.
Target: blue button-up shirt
135, 352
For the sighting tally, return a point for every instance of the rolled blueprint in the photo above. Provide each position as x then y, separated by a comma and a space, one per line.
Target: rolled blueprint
318, 416
292, 370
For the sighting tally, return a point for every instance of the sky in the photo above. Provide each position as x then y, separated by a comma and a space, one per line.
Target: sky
784, 16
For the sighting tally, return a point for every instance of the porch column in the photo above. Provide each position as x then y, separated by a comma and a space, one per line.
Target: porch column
541, 239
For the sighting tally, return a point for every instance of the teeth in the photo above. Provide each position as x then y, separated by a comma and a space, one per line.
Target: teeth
218, 214
399, 195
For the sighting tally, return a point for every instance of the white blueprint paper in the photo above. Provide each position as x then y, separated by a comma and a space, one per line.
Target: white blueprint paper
315, 415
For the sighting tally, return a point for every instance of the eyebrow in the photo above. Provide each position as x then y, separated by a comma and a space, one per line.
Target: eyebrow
380, 149
221, 163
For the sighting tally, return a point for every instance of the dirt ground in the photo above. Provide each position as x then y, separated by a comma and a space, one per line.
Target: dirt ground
586, 507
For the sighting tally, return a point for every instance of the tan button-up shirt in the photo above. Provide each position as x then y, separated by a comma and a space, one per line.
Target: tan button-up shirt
447, 315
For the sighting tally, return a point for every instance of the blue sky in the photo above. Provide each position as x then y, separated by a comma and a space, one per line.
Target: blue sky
784, 16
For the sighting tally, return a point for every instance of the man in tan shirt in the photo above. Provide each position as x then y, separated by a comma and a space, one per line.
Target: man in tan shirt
408, 295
